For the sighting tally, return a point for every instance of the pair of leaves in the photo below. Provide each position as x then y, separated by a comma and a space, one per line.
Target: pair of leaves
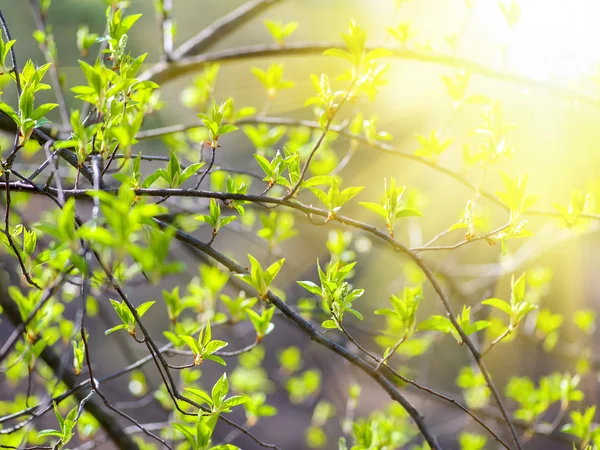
280, 31
335, 198
262, 322
335, 292
217, 400
204, 347
431, 147
393, 207
214, 218
272, 79
173, 174
127, 317
518, 307
214, 122
404, 309
443, 324
261, 279
66, 424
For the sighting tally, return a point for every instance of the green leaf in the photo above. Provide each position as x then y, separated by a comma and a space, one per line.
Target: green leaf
272, 271
113, 329
436, 323
498, 304
310, 287
191, 343
375, 207
187, 434
144, 307
234, 401
329, 324
42, 110
220, 389
227, 128
203, 395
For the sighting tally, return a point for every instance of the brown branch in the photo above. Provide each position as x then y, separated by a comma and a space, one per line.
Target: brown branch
222, 27
17, 333
111, 426
386, 148
163, 72
309, 330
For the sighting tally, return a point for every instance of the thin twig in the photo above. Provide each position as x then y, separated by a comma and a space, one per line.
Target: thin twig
166, 29
53, 70
309, 330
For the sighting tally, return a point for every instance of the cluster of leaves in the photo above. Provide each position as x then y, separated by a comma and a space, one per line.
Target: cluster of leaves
336, 294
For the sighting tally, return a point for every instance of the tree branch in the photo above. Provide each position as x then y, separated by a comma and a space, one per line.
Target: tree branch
309, 330
222, 27
163, 72
113, 429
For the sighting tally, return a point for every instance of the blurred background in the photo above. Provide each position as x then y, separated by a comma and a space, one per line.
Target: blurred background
555, 144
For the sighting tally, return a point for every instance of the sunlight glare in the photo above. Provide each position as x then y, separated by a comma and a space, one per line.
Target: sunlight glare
554, 40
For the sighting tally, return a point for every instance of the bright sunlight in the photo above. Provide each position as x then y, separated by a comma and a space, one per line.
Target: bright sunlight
553, 40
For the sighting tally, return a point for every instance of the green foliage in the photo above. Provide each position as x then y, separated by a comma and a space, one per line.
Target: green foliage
202, 89
393, 207
518, 307
262, 322
173, 174
264, 138
215, 122
204, 347
66, 424
303, 386
443, 324
127, 316
261, 279
218, 400
581, 427
78, 356
336, 294
4, 54
280, 31
315, 435
514, 197
335, 198
275, 168
85, 39
276, 228
214, 218
272, 79
511, 11
535, 401
471, 441
28, 117
475, 390
402, 32
572, 213
431, 147
404, 309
